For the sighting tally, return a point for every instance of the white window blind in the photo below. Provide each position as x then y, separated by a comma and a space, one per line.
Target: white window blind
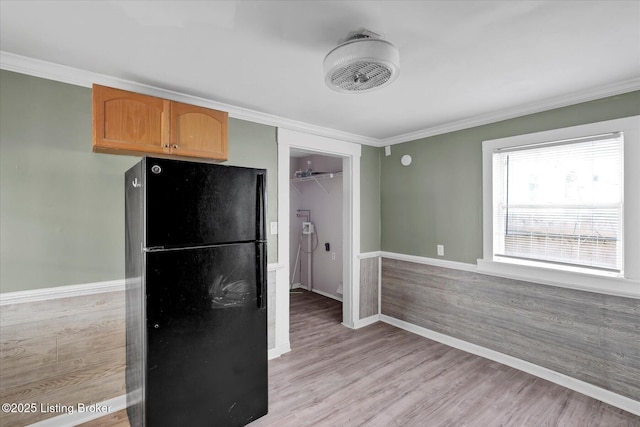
561, 202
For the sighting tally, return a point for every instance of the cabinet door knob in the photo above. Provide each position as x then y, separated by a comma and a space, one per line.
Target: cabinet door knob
175, 145
166, 145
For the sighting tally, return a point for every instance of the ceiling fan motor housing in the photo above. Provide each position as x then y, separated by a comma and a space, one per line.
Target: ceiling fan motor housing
361, 64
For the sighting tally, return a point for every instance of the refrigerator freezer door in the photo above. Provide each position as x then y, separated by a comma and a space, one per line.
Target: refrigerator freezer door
206, 336
192, 204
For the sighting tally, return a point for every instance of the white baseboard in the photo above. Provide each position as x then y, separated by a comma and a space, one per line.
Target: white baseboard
274, 353
326, 294
84, 414
590, 390
361, 323
44, 294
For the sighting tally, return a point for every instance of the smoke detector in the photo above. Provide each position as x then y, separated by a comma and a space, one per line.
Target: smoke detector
361, 63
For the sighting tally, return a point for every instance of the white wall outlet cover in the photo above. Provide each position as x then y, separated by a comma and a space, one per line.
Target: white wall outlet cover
387, 150
440, 250
274, 228
406, 160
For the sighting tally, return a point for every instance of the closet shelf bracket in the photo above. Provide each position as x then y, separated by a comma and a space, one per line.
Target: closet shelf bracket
315, 178
295, 188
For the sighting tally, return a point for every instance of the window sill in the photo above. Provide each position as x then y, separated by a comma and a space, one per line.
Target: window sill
603, 284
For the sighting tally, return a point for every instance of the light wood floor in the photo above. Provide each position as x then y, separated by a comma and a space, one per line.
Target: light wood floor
383, 376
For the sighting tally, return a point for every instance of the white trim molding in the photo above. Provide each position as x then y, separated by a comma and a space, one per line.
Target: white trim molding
366, 255
350, 154
592, 94
276, 352
361, 323
563, 279
590, 390
326, 294
78, 77
430, 261
44, 294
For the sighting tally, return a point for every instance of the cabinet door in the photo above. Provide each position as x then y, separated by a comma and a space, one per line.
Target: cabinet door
131, 122
198, 132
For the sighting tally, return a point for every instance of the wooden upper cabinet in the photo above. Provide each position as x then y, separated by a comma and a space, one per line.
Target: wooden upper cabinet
131, 123
127, 121
198, 131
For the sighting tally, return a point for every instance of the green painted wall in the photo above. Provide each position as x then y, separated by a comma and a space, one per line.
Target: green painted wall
370, 199
438, 198
61, 205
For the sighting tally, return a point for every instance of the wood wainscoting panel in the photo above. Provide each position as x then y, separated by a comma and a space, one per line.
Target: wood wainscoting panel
368, 287
588, 336
61, 352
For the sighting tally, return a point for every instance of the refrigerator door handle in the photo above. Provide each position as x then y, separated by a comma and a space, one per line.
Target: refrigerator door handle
260, 207
261, 280
261, 241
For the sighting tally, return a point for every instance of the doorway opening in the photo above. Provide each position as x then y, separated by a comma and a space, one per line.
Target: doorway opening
349, 153
315, 223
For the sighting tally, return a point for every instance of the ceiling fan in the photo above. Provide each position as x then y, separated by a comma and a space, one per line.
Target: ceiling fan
361, 63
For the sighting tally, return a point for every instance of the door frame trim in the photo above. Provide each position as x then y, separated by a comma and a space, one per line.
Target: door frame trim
350, 153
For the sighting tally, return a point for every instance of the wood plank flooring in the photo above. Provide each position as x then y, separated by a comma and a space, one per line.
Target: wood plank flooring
383, 376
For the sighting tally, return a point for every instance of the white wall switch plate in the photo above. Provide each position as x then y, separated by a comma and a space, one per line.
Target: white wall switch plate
440, 250
274, 228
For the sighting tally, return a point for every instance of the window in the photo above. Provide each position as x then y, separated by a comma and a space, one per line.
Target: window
560, 202
561, 207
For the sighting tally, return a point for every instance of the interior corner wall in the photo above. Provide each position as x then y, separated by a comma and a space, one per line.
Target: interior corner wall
370, 198
437, 200
61, 205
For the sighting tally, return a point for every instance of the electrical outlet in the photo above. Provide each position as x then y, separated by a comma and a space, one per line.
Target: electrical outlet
274, 228
333, 256
440, 250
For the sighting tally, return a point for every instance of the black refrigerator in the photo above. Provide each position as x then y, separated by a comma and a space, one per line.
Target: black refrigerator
196, 324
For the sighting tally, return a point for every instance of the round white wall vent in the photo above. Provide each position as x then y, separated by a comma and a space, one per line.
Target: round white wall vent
361, 64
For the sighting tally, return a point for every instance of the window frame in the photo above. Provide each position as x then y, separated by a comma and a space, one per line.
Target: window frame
572, 277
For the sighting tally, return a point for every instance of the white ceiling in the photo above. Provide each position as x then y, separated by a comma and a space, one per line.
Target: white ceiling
463, 63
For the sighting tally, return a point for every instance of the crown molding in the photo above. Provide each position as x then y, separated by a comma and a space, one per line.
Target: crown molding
592, 94
75, 76
78, 77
